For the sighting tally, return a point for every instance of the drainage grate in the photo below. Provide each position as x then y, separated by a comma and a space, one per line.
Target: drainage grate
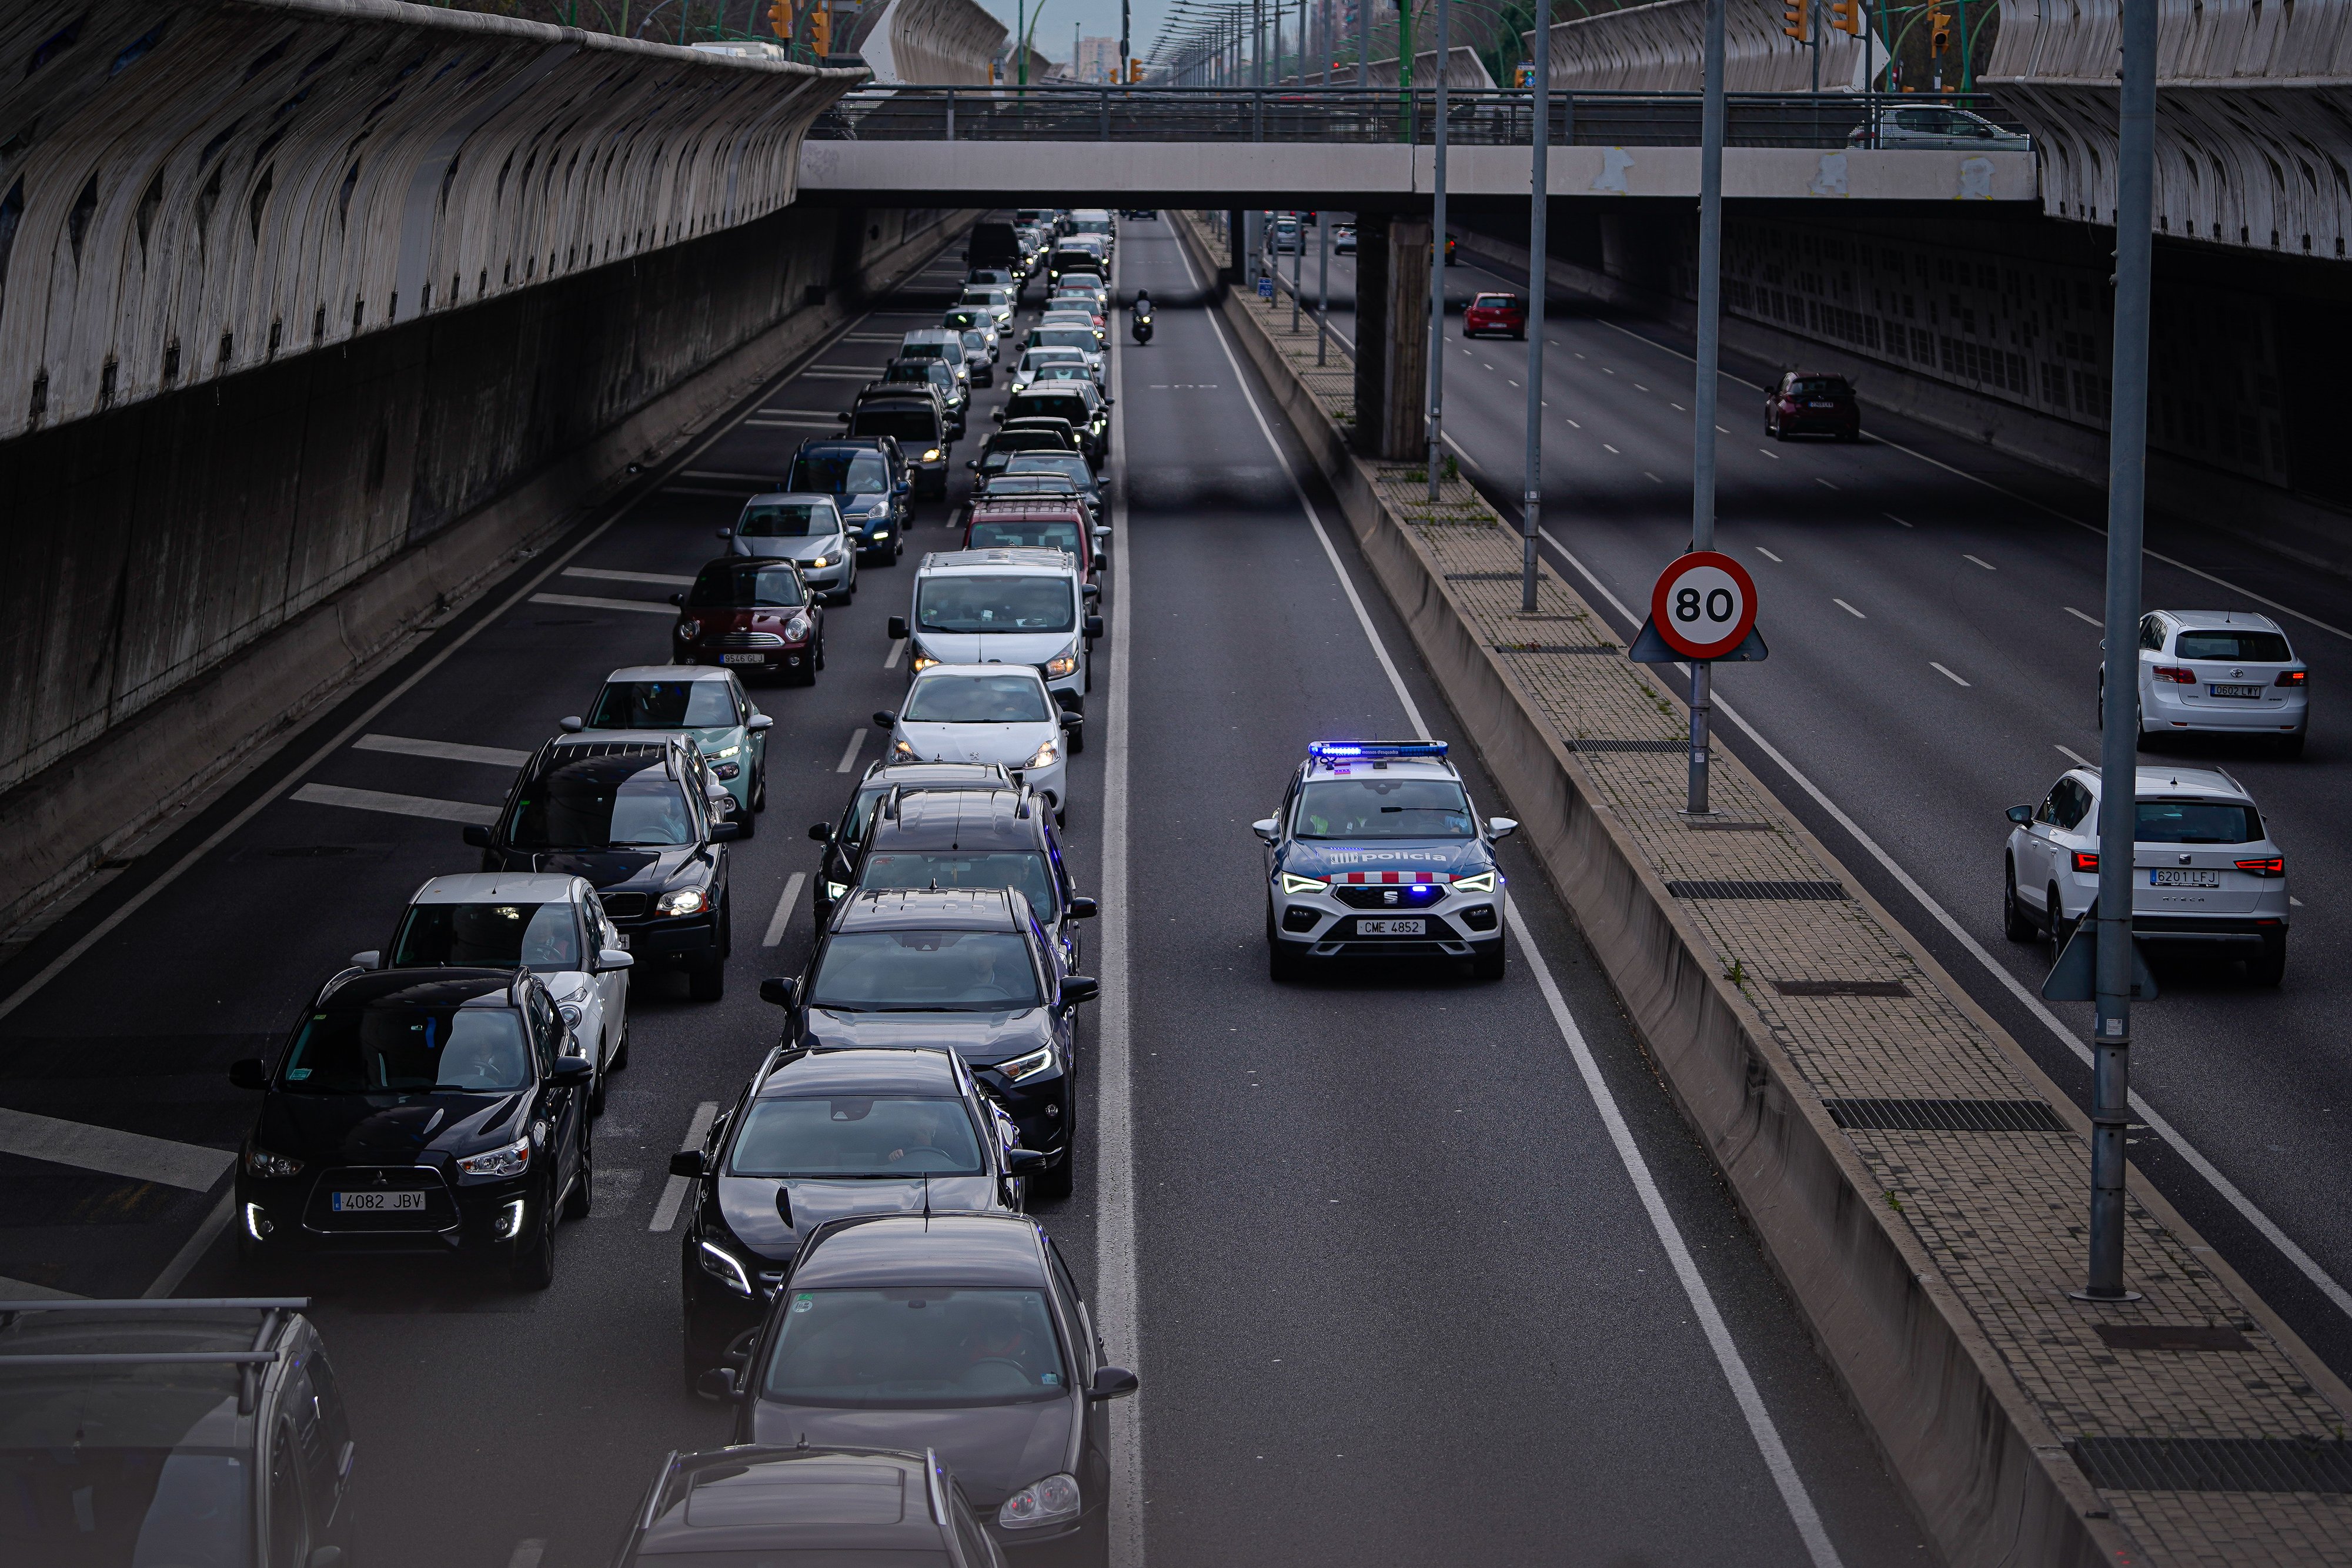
1558, 648
2171, 1336
1630, 745
1842, 988
2215, 1464
1822, 891
1945, 1115
1494, 577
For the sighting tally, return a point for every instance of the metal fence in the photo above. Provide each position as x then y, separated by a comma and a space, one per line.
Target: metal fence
1492, 119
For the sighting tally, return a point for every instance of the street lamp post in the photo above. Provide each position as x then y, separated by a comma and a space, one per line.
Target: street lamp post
1703, 395
1538, 275
1437, 264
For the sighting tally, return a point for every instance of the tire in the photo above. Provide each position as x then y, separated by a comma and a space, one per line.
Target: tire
2015, 923
747, 821
816, 663
1055, 1184
582, 1198
1773, 429
760, 786
1281, 964
620, 1057
596, 1094
534, 1268
2054, 924
1061, 816
2290, 746
2269, 969
706, 981
1490, 966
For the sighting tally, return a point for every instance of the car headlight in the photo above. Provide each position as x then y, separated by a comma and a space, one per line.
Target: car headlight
903, 749
881, 533
798, 628
260, 1162
1292, 883
571, 1011
513, 1159
1048, 1501
721, 755
922, 661
721, 1265
933, 455
837, 890
1048, 753
1064, 662
1483, 882
682, 901
820, 563
1029, 1066
689, 629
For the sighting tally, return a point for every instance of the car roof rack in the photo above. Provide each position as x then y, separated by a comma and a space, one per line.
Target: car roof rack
249, 1363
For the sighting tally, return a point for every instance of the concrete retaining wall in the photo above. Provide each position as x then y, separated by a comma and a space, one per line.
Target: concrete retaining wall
933, 43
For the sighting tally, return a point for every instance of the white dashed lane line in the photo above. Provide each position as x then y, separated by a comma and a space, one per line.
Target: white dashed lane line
2073, 755
849, 753
783, 916
584, 602
1849, 609
395, 805
1986, 564
445, 750
2086, 620
1767, 555
603, 574
674, 1191
1946, 674
132, 1156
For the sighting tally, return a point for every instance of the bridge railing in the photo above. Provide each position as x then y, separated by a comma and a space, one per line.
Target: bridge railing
1497, 118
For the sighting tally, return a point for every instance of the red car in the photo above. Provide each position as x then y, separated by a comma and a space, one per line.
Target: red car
751, 613
1505, 313
1809, 403
1039, 522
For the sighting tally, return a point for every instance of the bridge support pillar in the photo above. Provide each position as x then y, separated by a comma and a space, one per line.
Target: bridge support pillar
1237, 248
1405, 429
1372, 334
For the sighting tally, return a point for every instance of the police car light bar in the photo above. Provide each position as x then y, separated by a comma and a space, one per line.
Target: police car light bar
1375, 749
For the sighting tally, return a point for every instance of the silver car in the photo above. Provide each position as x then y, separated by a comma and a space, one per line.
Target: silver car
805, 529
1938, 129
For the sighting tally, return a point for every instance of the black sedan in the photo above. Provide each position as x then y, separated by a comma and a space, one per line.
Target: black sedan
807, 1505
837, 867
819, 1136
972, 970
436, 1112
961, 1335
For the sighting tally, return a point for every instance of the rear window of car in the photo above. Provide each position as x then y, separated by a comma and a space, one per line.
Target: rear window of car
1497, 302
2254, 647
1079, 338
1820, 386
788, 520
1041, 534
663, 704
2197, 822
916, 426
1051, 405
840, 471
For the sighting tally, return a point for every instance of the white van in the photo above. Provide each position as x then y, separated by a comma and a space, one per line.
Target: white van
1006, 606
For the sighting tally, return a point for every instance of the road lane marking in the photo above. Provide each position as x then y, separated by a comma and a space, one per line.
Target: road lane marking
1818, 480
584, 602
446, 750
1677, 408
1767, 555
800, 414
1765, 450
1986, 564
834, 372
602, 574
1895, 520
849, 754
897, 649
134, 1156
396, 805
24, 1290
1849, 609
1652, 478
1606, 447
674, 1191
766, 480
783, 917
796, 422
2086, 620
1946, 674
2076, 758
527, 1554
736, 494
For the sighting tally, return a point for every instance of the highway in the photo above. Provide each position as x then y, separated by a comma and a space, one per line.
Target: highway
1931, 607
1415, 1270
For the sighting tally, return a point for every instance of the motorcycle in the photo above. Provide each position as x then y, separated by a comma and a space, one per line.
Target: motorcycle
1139, 324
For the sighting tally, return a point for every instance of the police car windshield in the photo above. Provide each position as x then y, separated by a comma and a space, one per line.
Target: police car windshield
663, 705
977, 699
371, 1050
1024, 870
1378, 808
925, 972
542, 938
848, 1138
996, 603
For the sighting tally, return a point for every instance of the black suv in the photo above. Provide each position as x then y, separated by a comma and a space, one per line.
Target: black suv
436, 1111
974, 970
1087, 409
976, 839
915, 374
917, 418
820, 1136
869, 480
641, 820
837, 867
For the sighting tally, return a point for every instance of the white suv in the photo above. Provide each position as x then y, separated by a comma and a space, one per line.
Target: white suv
1006, 606
2220, 671
2206, 879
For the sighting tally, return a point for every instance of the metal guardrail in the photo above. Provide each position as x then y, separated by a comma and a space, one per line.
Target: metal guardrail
1491, 119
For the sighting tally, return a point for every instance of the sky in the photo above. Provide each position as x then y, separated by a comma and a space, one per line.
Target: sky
1096, 18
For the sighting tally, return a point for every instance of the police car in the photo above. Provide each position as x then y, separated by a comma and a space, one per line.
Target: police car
1377, 854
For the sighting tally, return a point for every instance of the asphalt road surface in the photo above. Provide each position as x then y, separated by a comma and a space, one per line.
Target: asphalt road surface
1416, 1270
1874, 565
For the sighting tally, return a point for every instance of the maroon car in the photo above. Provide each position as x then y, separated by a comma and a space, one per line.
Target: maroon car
751, 614
1037, 522
1503, 313
1809, 403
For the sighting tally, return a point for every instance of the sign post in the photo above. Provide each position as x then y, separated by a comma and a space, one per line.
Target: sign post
1702, 608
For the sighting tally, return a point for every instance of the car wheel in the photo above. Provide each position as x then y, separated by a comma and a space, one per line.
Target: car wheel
760, 786
816, 660
2290, 746
1773, 429
706, 981
1490, 966
2269, 969
621, 1056
534, 1267
596, 1094
2054, 924
2015, 923
1053, 1184
582, 1195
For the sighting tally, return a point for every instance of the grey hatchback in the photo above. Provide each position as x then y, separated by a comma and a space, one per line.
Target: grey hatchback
806, 1506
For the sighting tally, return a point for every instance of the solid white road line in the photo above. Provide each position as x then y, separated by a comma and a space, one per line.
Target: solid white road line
795, 421
584, 602
397, 805
2086, 620
674, 1192
784, 914
661, 578
849, 754
2073, 755
1767, 555
1946, 674
1986, 564
897, 650
1849, 609
134, 1156
1818, 480
1761, 1426
1765, 450
691, 474
446, 750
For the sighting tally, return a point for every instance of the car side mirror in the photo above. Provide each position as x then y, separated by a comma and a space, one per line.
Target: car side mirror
1092, 590
761, 721
998, 415
1266, 827
1024, 1161
727, 533
572, 1070
1093, 627
249, 1072
1070, 720
781, 990
1100, 561
821, 832
2021, 815
571, 724
724, 832
904, 487
1113, 1383
843, 416
886, 720
371, 959
1083, 909
611, 959
687, 1163
477, 834
1076, 988
972, 464
897, 628
1501, 827
717, 1384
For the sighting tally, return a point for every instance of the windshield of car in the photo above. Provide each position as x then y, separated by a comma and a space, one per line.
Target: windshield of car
542, 938
1065, 463
995, 603
989, 533
1384, 808
2196, 823
1818, 386
590, 805
771, 585
918, 372
1023, 871
787, 520
81, 1500
938, 697
925, 971
2253, 647
910, 1348
923, 350
916, 426
842, 472
663, 704
1052, 405
837, 1138
372, 1050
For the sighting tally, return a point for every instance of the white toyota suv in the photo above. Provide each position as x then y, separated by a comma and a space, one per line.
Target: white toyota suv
2206, 878
2223, 671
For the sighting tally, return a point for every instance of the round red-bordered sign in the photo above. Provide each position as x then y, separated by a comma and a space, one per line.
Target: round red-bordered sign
1704, 605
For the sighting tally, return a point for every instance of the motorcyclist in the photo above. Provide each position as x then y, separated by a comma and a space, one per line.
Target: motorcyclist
1140, 316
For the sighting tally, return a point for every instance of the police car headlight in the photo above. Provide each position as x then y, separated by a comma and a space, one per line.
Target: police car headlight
1292, 884
1064, 662
1048, 753
1483, 881
1029, 1066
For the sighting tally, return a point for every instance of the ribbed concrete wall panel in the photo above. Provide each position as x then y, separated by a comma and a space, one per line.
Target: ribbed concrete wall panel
930, 43
1463, 70
1661, 48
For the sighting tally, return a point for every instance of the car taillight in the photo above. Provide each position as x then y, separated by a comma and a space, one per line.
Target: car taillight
2176, 675
2086, 862
2275, 866
2289, 678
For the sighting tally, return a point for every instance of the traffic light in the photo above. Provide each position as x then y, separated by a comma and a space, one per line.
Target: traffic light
1134, 71
779, 18
1795, 18
820, 30
1845, 16
1939, 31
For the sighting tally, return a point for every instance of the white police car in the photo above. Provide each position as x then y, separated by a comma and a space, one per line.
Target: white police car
1376, 853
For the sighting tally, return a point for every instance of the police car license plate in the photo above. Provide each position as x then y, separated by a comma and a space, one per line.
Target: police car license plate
1392, 927
2184, 878
742, 658
377, 1202
2233, 691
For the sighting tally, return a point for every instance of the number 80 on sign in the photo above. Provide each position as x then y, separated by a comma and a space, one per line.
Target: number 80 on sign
1704, 604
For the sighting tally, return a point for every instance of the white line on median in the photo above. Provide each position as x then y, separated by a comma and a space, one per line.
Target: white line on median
1849, 609
1946, 674
849, 753
604, 574
674, 1191
133, 1155
584, 602
396, 805
445, 750
783, 916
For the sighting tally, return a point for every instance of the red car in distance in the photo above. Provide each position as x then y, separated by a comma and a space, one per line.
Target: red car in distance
1808, 402
1505, 313
1038, 522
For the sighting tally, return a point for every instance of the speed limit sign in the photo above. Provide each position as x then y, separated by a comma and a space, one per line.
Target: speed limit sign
1704, 605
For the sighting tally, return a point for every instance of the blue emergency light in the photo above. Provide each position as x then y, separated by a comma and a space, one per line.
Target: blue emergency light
1374, 750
